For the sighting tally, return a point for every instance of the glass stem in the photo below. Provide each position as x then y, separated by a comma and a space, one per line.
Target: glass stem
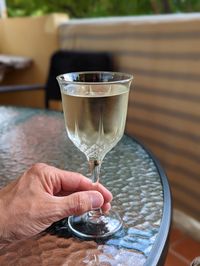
95, 166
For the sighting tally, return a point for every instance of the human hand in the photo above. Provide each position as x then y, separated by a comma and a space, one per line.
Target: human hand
43, 195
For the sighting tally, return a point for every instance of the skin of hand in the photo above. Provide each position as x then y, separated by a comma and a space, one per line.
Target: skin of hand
43, 195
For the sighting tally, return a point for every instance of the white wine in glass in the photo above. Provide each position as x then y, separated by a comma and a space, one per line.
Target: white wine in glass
95, 108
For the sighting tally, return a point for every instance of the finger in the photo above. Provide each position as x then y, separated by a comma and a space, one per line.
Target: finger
65, 181
69, 181
55, 180
104, 191
106, 207
79, 203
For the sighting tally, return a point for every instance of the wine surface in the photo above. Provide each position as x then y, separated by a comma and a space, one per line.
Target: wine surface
95, 117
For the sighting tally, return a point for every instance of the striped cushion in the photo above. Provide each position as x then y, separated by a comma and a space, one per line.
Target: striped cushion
164, 107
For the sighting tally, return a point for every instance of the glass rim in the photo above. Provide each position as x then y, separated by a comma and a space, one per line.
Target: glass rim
126, 77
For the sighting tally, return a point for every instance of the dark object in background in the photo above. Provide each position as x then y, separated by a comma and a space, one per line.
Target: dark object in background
73, 61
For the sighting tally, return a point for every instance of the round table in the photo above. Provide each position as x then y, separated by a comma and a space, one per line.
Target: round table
136, 179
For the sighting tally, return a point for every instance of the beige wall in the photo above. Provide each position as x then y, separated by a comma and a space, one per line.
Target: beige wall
1, 37
35, 37
33, 98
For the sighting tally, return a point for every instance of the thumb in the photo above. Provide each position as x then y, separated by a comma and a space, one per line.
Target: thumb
80, 202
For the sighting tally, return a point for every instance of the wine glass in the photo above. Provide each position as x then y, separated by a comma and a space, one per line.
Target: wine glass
95, 108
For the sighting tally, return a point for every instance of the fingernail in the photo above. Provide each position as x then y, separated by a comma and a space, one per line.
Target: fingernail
97, 200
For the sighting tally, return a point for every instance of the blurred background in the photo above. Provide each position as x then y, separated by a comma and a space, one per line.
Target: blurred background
100, 8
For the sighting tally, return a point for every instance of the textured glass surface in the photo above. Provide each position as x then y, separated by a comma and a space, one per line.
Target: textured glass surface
28, 136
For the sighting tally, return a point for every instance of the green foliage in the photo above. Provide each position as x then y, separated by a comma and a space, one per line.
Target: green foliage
100, 8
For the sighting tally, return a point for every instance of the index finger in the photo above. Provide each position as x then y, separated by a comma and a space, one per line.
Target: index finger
70, 182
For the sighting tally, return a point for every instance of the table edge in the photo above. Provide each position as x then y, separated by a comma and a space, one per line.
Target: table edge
159, 250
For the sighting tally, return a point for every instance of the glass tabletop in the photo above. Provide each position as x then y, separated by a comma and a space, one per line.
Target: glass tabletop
137, 181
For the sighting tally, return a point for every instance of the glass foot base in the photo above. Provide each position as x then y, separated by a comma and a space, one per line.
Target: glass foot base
89, 226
